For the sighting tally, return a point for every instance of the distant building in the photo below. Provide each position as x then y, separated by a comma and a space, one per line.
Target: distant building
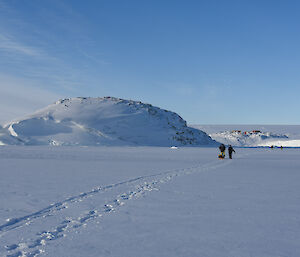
256, 131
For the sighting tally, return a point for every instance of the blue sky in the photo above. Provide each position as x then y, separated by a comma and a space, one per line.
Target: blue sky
213, 62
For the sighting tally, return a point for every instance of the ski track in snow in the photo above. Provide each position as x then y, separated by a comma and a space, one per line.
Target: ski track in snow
31, 247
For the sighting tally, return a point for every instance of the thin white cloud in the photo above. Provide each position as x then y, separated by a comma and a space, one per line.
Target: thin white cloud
9, 45
40, 53
36, 65
35, 60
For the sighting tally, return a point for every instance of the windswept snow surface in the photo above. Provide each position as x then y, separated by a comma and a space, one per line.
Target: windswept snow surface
276, 135
148, 201
284, 143
103, 121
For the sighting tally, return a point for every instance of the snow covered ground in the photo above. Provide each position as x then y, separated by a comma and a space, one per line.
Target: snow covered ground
148, 201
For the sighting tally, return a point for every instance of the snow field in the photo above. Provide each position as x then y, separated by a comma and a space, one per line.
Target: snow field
148, 201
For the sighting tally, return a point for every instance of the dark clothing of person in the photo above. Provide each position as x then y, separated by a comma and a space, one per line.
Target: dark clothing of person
222, 148
230, 150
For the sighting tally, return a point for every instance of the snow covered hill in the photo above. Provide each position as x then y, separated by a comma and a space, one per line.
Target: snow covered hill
248, 138
254, 135
102, 121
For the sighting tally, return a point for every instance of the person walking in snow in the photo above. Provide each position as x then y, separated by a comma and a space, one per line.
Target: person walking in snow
222, 150
230, 150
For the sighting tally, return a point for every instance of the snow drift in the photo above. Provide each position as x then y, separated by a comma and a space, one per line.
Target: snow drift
102, 121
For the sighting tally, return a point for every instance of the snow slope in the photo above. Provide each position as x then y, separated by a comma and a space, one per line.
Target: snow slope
148, 201
276, 135
7, 139
103, 121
